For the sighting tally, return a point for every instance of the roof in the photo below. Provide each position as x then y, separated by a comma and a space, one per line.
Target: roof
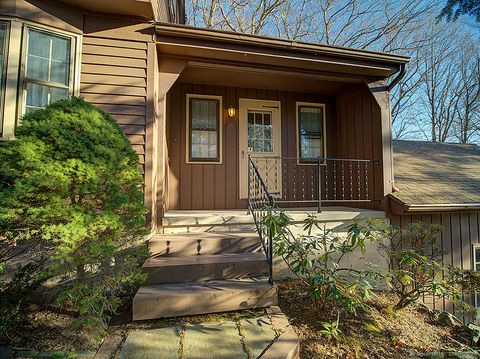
186, 41
436, 176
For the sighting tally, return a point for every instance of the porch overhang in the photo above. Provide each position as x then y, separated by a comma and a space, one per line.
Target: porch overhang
397, 206
202, 46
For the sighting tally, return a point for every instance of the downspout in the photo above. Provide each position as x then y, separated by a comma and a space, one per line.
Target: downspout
398, 78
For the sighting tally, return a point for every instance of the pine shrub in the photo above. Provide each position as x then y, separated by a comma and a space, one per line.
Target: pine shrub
70, 182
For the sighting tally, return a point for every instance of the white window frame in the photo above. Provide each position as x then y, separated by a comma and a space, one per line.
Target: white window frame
4, 72
324, 127
220, 129
474, 267
14, 89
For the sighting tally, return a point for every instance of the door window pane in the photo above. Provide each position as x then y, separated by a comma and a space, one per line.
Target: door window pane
310, 132
3, 54
259, 132
204, 130
48, 65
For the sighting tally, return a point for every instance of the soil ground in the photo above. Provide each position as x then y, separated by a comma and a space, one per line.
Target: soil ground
377, 333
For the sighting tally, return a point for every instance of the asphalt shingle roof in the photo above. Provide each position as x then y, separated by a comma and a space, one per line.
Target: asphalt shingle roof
429, 173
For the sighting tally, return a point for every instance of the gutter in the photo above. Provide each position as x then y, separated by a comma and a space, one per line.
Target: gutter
442, 207
398, 78
274, 43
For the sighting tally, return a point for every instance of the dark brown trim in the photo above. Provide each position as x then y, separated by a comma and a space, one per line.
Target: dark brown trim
201, 159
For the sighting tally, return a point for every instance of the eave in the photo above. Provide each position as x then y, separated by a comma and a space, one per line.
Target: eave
399, 207
205, 45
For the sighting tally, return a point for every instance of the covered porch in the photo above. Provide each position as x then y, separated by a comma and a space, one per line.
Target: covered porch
256, 85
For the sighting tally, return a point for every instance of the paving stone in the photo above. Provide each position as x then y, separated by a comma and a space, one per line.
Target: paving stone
258, 333
152, 343
213, 341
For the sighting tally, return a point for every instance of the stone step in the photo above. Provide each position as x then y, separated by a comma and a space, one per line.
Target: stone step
193, 244
174, 300
174, 269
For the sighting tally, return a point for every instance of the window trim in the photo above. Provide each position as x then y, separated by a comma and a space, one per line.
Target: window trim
23, 80
188, 137
324, 127
474, 261
13, 108
4, 72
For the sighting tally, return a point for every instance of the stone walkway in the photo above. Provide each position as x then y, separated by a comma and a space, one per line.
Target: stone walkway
228, 339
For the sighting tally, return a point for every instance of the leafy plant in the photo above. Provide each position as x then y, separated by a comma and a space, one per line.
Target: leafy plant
414, 255
70, 181
319, 258
332, 329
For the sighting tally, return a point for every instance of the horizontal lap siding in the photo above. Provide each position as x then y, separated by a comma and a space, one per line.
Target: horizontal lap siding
459, 232
114, 77
209, 186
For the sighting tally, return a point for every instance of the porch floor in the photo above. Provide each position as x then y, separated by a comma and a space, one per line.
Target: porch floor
240, 217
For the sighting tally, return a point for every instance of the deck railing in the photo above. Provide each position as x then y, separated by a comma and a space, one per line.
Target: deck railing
275, 182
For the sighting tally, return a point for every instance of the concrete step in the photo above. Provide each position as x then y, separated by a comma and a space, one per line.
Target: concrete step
193, 244
174, 300
173, 269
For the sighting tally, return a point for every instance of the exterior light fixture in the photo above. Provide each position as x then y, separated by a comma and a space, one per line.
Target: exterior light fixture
231, 111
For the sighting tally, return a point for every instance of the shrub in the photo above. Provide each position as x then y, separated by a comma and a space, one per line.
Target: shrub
70, 181
415, 268
321, 262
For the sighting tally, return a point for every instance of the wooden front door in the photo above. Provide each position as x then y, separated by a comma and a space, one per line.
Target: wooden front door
260, 138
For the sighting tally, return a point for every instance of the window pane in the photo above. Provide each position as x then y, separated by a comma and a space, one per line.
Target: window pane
204, 129
47, 62
259, 132
310, 131
3, 51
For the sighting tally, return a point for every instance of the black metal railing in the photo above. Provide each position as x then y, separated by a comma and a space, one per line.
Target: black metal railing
293, 181
260, 201
275, 182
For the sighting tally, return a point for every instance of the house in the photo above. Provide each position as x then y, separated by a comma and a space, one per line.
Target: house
439, 183
221, 122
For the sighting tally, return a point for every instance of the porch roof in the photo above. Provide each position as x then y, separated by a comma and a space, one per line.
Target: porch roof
221, 47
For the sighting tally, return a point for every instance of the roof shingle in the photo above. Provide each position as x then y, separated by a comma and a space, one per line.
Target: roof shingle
428, 173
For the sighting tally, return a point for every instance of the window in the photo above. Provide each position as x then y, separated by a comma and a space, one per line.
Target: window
48, 75
310, 125
3, 55
260, 131
476, 268
204, 128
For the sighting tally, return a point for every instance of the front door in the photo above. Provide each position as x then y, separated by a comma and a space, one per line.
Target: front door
260, 138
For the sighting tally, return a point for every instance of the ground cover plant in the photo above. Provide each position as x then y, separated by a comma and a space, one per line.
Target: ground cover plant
71, 208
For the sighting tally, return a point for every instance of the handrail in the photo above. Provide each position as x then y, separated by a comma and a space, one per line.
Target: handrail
259, 198
275, 181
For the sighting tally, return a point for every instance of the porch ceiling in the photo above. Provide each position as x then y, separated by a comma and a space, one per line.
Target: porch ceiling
201, 47
262, 79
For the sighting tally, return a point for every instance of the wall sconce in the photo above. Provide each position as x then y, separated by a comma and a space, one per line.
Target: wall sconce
231, 111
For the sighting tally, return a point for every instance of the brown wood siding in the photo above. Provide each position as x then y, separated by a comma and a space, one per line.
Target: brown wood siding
215, 186
114, 77
460, 230
357, 134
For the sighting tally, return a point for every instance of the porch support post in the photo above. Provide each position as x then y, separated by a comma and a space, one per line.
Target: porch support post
169, 70
381, 95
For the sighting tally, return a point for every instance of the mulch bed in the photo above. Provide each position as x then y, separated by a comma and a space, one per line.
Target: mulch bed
378, 333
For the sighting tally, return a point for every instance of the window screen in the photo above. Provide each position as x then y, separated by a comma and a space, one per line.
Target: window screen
204, 130
310, 132
47, 69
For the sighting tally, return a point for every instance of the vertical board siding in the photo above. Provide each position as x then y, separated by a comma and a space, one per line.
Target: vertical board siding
216, 186
358, 136
114, 77
459, 232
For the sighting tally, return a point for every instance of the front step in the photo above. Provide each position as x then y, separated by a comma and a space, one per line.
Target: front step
174, 300
191, 244
173, 269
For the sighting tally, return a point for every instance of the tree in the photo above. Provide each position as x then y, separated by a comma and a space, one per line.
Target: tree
455, 8
71, 189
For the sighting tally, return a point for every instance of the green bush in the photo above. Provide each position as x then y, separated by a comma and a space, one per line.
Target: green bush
70, 181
